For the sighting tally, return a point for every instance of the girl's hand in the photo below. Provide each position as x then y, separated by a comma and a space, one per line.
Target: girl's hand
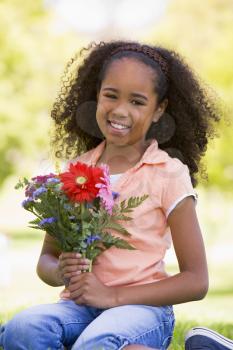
87, 289
70, 264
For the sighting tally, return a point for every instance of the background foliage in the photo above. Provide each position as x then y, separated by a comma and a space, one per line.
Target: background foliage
34, 52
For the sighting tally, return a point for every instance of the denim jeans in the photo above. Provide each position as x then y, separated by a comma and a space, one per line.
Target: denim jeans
78, 327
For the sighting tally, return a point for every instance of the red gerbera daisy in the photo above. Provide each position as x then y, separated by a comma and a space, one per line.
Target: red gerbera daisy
79, 182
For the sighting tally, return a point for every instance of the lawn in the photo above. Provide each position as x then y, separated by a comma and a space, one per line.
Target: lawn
21, 287
25, 289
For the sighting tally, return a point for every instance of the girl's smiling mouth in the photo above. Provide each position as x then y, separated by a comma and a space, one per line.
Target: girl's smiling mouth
117, 127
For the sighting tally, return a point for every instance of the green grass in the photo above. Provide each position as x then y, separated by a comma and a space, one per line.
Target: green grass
215, 311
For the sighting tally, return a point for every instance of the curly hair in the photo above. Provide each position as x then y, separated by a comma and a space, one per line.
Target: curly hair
184, 129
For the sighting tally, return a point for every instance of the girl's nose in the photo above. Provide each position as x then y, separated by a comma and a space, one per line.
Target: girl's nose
121, 110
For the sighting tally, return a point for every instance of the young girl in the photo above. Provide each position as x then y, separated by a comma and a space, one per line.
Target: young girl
141, 110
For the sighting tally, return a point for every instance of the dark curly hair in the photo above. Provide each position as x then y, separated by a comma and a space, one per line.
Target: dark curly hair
184, 129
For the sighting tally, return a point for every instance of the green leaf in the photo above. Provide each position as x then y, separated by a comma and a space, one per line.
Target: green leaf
35, 221
21, 183
120, 243
116, 226
122, 217
132, 203
122, 204
37, 227
108, 240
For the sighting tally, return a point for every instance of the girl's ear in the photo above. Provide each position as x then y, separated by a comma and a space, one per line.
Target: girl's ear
160, 110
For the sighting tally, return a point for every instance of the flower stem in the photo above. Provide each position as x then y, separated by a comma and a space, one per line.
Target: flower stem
90, 267
83, 208
33, 212
82, 205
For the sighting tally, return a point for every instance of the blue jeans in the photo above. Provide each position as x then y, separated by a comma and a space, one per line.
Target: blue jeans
77, 327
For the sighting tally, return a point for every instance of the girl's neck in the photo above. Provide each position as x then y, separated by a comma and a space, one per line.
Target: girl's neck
122, 158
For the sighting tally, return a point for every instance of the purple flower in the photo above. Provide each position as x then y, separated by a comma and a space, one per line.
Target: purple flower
26, 202
42, 179
115, 195
47, 221
91, 239
53, 180
39, 191
30, 189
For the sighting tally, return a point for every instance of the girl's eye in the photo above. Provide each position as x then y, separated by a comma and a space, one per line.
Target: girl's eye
137, 103
111, 96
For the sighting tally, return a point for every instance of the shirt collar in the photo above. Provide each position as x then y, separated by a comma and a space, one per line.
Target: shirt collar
152, 155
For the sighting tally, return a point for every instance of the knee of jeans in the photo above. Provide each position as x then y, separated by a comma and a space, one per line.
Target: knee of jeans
23, 323
15, 330
27, 323
26, 328
100, 341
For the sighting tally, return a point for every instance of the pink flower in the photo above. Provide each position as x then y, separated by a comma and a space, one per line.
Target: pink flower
105, 193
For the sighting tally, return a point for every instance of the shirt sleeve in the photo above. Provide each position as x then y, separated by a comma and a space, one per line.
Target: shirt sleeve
177, 186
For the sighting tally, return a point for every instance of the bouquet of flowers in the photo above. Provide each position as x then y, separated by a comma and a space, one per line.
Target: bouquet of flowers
77, 208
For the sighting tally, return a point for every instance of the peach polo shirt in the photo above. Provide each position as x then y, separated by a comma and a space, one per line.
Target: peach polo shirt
167, 181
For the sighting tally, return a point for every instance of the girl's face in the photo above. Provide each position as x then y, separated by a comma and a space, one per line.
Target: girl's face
127, 102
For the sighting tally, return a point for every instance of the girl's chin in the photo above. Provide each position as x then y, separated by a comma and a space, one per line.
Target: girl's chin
116, 141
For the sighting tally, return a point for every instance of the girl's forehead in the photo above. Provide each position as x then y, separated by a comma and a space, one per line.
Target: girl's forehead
129, 65
130, 71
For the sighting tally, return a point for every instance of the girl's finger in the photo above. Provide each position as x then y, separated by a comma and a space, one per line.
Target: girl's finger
71, 268
74, 268
76, 278
68, 274
76, 273
65, 295
68, 255
75, 294
69, 261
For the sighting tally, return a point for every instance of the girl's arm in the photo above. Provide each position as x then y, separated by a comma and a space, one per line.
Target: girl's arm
191, 283
48, 264
55, 267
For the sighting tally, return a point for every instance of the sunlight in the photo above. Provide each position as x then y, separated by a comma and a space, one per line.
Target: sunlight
97, 17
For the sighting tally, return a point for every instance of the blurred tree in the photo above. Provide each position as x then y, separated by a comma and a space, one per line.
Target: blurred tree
32, 59
33, 55
203, 33
20, 97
